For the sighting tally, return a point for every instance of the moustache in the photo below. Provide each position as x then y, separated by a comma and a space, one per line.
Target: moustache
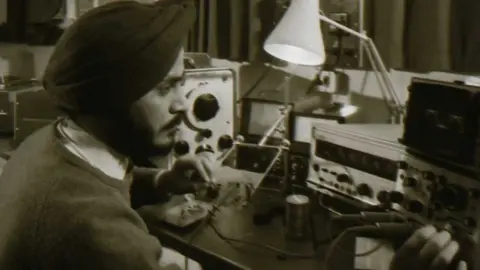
173, 123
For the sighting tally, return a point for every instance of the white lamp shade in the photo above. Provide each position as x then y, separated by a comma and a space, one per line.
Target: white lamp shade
297, 38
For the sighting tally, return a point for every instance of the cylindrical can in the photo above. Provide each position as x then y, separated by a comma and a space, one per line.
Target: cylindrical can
297, 214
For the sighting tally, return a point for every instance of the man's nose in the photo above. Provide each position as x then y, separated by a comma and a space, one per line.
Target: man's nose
179, 105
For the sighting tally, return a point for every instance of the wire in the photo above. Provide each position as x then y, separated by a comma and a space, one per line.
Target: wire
272, 248
336, 241
265, 246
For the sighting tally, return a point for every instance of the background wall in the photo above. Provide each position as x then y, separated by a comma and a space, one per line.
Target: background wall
30, 61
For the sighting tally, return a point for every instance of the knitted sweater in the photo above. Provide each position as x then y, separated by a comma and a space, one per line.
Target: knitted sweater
57, 212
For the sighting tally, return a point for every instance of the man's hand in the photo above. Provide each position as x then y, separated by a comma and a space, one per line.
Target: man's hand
187, 164
427, 249
178, 180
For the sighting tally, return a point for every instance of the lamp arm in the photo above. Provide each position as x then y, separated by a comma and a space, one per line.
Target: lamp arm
382, 79
343, 27
383, 70
379, 66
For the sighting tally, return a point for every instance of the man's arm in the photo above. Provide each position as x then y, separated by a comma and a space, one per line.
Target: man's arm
95, 229
151, 186
148, 186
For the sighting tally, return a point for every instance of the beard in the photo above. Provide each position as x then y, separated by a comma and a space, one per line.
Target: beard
140, 143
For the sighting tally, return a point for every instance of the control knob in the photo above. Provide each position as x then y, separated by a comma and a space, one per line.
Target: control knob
225, 142
442, 180
402, 165
204, 148
181, 148
383, 197
453, 197
470, 222
415, 207
396, 197
206, 133
344, 178
410, 182
430, 176
205, 107
364, 190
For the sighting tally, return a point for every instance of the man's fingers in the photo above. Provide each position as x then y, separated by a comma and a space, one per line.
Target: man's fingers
207, 165
462, 265
200, 167
445, 257
412, 246
434, 245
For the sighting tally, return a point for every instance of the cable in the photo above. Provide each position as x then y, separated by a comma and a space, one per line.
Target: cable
390, 229
265, 246
272, 248
336, 241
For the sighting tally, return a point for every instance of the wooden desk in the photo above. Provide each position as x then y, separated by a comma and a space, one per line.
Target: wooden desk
214, 253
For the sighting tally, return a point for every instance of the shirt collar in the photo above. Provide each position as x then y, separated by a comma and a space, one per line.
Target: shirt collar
93, 151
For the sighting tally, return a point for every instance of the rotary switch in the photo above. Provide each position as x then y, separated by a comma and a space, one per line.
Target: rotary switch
410, 182
415, 207
204, 148
344, 178
383, 197
453, 197
225, 142
181, 148
364, 190
205, 107
396, 197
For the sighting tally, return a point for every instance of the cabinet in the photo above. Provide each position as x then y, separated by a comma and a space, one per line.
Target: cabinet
24, 109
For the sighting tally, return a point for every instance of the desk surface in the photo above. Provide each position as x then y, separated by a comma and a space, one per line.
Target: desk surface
234, 222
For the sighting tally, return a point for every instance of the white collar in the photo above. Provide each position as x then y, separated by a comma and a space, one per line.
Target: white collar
93, 151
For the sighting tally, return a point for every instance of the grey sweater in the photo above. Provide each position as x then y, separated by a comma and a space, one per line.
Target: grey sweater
57, 212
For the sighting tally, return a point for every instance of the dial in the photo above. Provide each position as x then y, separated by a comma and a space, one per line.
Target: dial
415, 207
430, 176
364, 190
410, 182
453, 197
206, 133
205, 107
225, 142
344, 178
471, 222
396, 197
204, 148
383, 196
181, 148
402, 165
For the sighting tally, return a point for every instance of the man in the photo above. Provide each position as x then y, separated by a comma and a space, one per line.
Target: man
67, 194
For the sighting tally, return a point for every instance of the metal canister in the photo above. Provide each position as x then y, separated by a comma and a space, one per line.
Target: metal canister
297, 213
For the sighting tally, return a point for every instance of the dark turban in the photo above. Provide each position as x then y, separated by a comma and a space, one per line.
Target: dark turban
116, 53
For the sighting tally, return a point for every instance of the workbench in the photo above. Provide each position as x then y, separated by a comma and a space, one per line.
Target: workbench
212, 252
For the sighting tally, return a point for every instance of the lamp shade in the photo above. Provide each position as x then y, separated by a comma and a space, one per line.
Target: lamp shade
297, 38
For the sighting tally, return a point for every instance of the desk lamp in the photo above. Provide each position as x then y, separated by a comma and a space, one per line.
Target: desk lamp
298, 40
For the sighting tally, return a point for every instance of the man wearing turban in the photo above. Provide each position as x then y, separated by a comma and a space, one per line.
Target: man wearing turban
68, 193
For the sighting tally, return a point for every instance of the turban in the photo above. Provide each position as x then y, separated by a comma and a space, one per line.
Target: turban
116, 53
